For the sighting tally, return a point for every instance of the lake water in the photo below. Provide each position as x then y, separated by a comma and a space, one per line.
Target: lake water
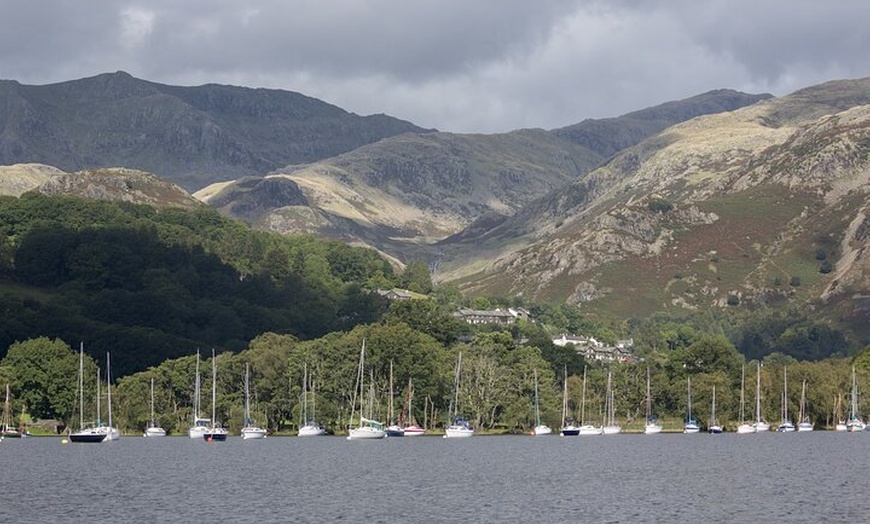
806, 477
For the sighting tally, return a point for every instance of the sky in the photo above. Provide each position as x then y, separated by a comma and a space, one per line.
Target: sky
465, 66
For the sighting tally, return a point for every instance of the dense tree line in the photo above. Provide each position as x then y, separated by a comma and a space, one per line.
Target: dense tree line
496, 386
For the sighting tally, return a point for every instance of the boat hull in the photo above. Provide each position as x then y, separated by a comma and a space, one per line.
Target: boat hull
395, 431
253, 433
586, 431
88, 437
413, 431
786, 427
366, 433
570, 431
761, 427
612, 430
745, 429
311, 431
458, 432
714, 430
541, 430
155, 432
805, 426
691, 428
652, 429
215, 436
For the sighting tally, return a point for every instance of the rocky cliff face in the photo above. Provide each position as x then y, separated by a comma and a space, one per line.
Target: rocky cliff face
769, 202
116, 184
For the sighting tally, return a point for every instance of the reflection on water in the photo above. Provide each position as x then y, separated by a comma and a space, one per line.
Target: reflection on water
803, 477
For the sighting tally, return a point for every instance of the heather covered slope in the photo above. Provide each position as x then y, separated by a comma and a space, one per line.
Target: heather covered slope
765, 204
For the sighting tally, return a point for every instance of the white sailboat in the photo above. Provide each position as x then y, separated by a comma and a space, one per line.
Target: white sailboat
744, 427
367, 429
459, 427
586, 429
652, 426
540, 428
153, 430
840, 425
713, 426
412, 429
394, 429
200, 425
804, 423
786, 426
691, 425
215, 432
761, 425
86, 434
7, 429
610, 425
310, 427
250, 431
854, 424
569, 428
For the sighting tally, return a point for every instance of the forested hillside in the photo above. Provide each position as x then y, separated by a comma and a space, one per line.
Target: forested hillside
150, 284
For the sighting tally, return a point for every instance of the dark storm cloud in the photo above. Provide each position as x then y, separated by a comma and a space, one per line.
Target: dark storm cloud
459, 65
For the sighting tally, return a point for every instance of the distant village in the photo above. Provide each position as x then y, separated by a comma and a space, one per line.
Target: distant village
588, 347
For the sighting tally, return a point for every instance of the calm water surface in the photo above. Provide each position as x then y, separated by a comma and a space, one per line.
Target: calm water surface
808, 477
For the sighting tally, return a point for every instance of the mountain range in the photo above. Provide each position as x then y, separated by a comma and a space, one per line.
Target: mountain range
721, 200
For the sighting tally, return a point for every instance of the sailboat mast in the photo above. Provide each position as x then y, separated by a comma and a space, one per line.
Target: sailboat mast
109, 389
758, 393
247, 395
305, 393
456, 385
152, 401
565, 395
213, 389
196, 390
537, 412
390, 409
98, 421
82, 386
583, 400
742, 385
689, 398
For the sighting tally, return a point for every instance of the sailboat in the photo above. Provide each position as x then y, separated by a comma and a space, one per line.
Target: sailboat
539, 429
394, 429
786, 426
200, 425
249, 430
112, 432
459, 426
7, 430
610, 426
651, 427
86, 434
760, 424
838, 409
153, 430
854, 424
569, 428
586, 429
744, 427
691, 425
713, 427
804, 423
215, 432
367, 429
310, 427
412, 429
